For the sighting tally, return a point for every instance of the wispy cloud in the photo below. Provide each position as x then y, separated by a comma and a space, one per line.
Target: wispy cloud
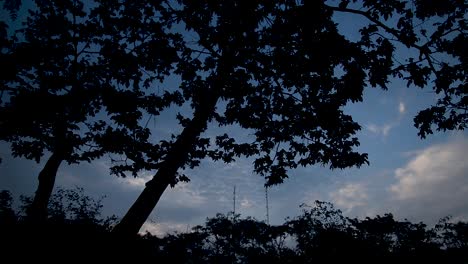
401, 108
350, 196
383, 130
210, 191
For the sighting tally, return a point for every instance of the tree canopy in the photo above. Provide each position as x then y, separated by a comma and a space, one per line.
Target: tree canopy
75, 86
284, 71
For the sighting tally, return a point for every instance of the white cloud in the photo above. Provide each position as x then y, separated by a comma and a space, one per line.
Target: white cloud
401, 108
185, 194
350, 196
246, 203
386, 129
163, 228
373, 128
383, 130
434, 183
137, 182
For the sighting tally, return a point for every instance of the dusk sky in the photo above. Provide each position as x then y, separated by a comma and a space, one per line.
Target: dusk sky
422, 180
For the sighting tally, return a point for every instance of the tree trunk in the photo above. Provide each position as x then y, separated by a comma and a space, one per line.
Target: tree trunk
175, 159
38, 210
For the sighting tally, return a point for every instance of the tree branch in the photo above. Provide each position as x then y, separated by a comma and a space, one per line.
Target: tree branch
424, 50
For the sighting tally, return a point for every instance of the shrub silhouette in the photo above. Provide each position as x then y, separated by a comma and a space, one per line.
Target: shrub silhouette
321, 234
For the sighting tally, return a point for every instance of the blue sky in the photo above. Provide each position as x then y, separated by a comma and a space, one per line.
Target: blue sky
422, 180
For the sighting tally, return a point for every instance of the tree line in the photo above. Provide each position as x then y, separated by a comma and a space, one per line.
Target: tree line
81, 79
320, 234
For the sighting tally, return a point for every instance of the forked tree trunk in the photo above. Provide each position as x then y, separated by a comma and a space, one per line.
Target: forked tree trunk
175, 159
38, 210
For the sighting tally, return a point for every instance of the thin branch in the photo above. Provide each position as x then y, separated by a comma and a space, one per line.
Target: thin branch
276, 152
147, 122
369, 17
201, 51
89, 52
424, 50
286, 93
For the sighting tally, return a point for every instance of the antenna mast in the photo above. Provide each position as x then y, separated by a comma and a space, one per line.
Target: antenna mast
267, 209
234, 200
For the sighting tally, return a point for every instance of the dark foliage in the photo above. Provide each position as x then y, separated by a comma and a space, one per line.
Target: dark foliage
74, 83
281, 70
321, 234
73, 230
77, 85
12, 7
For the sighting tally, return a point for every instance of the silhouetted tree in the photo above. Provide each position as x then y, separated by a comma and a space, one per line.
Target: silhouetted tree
453, 237
227, 238
184, 248
231, 238
75, 228
283, 72
7, 214
75, 86
321, 234
12, 7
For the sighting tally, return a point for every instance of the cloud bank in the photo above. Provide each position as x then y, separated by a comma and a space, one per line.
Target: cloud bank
434, 183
